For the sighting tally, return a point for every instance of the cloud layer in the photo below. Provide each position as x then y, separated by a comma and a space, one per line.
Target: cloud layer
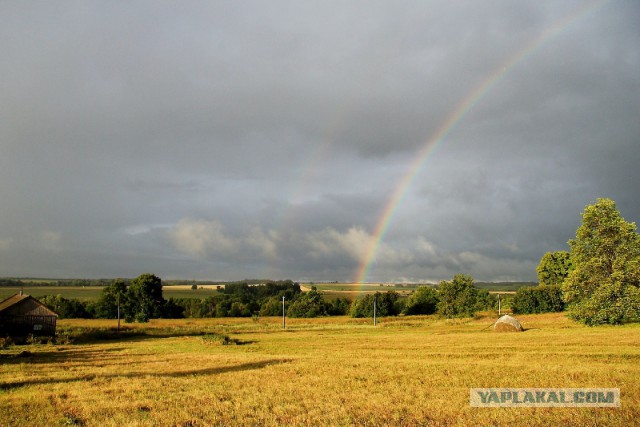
227, 140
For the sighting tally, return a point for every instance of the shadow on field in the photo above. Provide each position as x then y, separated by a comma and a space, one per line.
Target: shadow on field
218, 370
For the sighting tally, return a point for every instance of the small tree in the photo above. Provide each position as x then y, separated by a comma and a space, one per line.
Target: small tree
485, 300
604, 285
423, 300
66, 308
310, 304
458, 298
107, 306
144, 299
338, 307
386, 305
554, 267
538, 299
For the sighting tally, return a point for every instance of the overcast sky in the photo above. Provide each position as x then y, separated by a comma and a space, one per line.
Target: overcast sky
263, 139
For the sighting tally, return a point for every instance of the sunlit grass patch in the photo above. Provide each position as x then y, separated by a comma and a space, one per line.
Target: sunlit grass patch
329, 371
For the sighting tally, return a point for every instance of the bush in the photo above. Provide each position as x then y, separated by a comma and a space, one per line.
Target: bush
218, 339
338, 307
485, 300
6, 342
423, 300
66, 308
386, 305
538, 299
310, 304
458, 298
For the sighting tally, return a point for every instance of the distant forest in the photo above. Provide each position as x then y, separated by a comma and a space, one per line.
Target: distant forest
27, 281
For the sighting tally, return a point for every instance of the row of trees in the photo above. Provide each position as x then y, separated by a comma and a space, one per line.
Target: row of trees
456, 298
141, 299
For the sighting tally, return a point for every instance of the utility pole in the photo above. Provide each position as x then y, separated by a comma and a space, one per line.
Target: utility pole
375, 300
499, 306
283, 318
118, 302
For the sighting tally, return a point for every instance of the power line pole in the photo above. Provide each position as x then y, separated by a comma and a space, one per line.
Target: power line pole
118, 301
283, 318
375, 300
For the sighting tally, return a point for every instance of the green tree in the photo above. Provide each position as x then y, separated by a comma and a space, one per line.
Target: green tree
310, 304
386, 305
423, 300
339, 307
554, 267
485, 300
271, 307
603, 286
458, 298
538, 299
144, 299
107, 305
66, 308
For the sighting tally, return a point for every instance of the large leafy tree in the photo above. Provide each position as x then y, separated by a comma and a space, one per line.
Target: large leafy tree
144, 299
554, 267
603, 286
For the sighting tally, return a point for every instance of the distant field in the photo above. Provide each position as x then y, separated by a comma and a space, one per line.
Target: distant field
408, 371
363, 287
331, 291
88, 293
352, 291
92, 293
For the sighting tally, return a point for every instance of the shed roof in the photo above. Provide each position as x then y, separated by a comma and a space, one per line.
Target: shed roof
24, 304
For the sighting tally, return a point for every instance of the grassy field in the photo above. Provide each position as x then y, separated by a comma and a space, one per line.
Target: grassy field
329, 371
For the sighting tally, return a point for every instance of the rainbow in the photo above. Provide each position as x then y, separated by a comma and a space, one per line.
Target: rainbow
458, 114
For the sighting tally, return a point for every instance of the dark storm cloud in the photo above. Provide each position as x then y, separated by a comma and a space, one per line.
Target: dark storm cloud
230, 140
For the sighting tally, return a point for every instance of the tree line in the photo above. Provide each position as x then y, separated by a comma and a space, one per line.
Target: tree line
141, 299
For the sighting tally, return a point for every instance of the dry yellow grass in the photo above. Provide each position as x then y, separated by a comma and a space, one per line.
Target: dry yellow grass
331, 371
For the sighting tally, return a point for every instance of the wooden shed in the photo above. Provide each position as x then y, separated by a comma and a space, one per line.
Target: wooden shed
21, 315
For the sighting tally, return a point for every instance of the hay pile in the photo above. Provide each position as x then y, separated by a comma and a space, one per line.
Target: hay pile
507, 324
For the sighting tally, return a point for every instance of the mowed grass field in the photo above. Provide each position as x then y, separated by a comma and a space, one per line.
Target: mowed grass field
331, 371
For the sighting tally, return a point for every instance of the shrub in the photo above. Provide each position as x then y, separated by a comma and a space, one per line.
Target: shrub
458, 298
423, 300
310, 304
386, 305
538, 299
218, 339
5, 342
